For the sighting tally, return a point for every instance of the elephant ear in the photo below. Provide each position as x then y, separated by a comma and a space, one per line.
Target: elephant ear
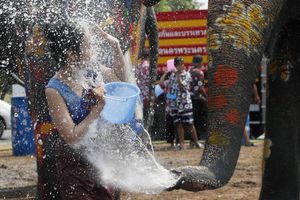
150, 3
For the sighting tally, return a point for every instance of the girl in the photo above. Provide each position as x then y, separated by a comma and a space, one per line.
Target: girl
72, 108
179, 103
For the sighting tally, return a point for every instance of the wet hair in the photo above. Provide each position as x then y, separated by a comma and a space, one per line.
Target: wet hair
178, 60
63, 38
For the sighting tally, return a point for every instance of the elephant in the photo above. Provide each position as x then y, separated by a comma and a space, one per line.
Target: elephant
24, 52
240, 32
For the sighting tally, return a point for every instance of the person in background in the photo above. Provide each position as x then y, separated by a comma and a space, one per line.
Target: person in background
246, 137
180, 103
257, 99
143, 79
199, 97
171, 135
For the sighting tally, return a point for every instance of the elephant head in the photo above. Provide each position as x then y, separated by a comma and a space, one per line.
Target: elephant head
239, 32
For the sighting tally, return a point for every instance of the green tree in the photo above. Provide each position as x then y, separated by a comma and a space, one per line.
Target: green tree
174, 5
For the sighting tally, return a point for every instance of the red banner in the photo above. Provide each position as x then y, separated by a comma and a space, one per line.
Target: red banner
182, 33
185, 32
182, 50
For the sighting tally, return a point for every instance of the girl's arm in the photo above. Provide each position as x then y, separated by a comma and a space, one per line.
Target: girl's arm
108, 74
118, 67
162, 79
62, 120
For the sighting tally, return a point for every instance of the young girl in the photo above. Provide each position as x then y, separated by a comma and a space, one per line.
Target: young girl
72, 108
180, 104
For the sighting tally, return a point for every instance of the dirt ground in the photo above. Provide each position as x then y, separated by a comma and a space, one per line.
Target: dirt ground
244, 185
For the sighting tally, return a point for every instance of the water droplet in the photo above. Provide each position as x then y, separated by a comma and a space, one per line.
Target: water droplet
40, 142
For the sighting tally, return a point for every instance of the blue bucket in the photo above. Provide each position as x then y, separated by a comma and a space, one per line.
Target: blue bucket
120, 101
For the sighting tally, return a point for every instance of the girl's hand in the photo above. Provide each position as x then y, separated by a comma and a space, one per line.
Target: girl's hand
109, 38
118, 65
99, 95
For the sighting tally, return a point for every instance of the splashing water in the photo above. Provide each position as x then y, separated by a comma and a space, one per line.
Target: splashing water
117, 153
123, 160
120, 157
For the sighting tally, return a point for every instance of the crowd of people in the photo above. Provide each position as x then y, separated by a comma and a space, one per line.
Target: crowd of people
184, 95
185, 103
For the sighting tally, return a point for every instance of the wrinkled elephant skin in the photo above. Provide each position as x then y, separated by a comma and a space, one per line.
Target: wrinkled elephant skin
194, 178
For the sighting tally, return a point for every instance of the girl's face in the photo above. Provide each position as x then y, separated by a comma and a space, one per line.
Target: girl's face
85, 56
180, 66
79, 64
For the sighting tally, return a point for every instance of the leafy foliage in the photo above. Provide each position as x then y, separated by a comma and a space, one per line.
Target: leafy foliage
174, 5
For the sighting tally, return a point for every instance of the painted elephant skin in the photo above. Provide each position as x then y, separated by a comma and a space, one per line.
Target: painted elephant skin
239, 33
24, 51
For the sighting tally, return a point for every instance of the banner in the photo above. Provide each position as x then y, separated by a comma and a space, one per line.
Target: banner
182, 33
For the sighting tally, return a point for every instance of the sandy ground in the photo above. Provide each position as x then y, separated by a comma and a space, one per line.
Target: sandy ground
244, 185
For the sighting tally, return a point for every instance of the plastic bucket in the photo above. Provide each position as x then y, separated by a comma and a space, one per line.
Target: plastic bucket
120, 101
158, 90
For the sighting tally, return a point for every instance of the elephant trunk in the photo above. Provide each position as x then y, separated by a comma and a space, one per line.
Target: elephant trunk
236, 41
229, 96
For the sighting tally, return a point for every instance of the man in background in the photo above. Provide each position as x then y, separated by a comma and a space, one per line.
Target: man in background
199, 97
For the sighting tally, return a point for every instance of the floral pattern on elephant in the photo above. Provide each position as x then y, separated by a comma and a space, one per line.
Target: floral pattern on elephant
218, 139
233, 117
240, 24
